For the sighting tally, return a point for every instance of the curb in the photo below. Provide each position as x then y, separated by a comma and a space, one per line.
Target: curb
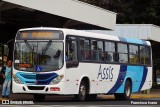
145, 96
133, 96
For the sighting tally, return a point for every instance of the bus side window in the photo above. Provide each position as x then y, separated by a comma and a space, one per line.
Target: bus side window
123, 53
115, 57
85, 51
110, 52
145, 55
71, 50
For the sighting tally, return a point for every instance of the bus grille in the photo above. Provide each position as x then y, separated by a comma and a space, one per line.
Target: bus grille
37, 79
37, 76
36, 88
29, 76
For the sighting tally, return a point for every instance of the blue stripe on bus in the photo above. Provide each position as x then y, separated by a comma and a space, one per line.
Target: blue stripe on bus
130, 40
145, 72
135, 73
122, 39
121, 76
43, 79
40, 79
21, 75
138, 76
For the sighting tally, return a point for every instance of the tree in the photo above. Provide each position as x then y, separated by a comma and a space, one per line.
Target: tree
131, 11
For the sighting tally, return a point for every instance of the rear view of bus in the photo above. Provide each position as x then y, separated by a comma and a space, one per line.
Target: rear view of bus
38, 60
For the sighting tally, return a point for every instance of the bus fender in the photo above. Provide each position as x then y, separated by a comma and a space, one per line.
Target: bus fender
131, 80
83, 77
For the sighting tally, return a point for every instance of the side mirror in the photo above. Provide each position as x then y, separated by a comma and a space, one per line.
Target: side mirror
72, 64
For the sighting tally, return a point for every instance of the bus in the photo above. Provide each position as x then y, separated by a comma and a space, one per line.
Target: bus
55, 61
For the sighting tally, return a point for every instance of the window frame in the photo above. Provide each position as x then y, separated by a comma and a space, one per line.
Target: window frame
116, 51
134, 54
150, 60
124, 53
67, 46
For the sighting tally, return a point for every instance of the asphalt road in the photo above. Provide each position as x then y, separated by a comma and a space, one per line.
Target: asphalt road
58, 101
69, 100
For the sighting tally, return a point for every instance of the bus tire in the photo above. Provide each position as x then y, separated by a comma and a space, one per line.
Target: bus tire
82, 94
127, 92
39, 97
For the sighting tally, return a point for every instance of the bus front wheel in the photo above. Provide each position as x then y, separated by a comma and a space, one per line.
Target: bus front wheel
81, 96
127, 92
39, 97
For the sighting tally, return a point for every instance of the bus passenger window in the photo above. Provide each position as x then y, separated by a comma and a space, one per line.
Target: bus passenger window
109, 57
115, 57
71, 50
101, 56
145, 55
82, 52
87, 55
97, 50
133, 54
110, 54
94, 50
100, 50
123, 53
85, 51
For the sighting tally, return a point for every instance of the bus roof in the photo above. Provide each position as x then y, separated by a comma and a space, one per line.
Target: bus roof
92, 35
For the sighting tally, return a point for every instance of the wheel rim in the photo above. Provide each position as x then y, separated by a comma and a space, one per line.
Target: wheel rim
82, 92
128, 91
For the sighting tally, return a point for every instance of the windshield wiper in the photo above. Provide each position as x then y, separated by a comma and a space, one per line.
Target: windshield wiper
44, 50
28, 45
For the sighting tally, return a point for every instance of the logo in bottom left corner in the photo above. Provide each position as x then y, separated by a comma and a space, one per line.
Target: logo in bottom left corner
5, 101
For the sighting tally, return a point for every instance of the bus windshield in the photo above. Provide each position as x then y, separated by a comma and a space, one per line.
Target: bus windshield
46, 56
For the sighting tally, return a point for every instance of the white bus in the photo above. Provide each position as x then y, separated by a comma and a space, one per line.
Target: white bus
71, 62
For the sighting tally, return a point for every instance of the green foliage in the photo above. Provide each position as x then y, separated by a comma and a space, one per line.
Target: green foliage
131, 11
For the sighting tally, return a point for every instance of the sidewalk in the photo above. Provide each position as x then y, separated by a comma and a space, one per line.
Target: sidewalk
155, 93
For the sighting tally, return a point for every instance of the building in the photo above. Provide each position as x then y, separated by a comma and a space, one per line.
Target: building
18, 14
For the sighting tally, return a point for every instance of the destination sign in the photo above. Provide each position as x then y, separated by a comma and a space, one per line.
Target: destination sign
40, 35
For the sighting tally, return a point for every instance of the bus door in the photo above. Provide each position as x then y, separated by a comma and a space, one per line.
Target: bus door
71, 52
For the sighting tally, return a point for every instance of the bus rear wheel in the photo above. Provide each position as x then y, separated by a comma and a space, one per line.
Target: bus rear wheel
127, 92
81, 96
39, 97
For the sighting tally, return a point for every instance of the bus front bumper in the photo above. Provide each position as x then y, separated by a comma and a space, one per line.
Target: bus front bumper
37, 89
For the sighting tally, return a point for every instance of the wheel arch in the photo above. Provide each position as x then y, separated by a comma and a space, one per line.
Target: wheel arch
87, 81
130, 80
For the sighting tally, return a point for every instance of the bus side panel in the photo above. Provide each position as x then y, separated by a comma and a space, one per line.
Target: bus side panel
139, 76
107, 78
135, 74
102, 77
148, 81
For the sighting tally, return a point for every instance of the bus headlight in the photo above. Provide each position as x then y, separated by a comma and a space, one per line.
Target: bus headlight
16, 79
56, 80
